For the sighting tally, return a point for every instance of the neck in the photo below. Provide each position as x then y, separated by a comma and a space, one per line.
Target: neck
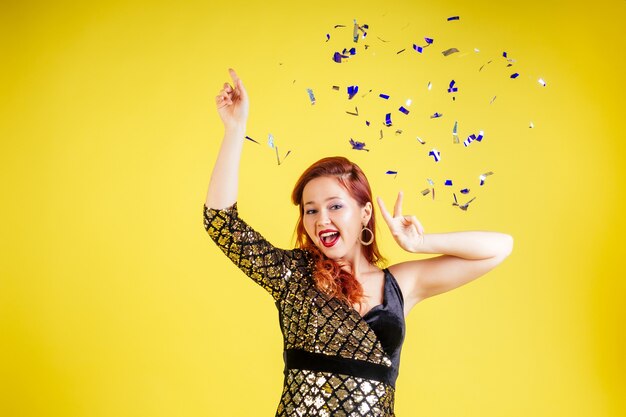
356, 266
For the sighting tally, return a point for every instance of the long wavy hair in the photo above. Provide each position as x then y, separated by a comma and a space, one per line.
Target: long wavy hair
328, 275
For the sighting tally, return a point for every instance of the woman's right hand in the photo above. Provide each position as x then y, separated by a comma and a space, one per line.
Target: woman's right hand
232, 103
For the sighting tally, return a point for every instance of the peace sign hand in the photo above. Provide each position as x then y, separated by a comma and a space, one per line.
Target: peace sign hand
406, 230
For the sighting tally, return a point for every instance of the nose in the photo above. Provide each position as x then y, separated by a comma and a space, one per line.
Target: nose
323, 218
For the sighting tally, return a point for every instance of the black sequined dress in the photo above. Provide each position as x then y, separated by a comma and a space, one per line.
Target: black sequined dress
337, 363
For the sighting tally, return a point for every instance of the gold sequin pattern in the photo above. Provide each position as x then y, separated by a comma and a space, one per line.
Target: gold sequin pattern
309, 320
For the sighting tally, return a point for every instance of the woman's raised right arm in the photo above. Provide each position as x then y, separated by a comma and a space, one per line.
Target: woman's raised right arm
232, 107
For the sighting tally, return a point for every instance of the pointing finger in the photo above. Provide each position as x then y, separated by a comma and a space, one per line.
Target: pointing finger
233, 75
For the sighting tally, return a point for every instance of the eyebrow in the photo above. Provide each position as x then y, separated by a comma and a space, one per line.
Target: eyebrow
312, 202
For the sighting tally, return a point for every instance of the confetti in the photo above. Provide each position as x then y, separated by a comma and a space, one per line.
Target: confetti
278, 159
455, 134
352, 90
359, 146
337, 57
448, 182
492, 100
464, 206
453, 18
394, 173
336, 87
388, 119
531, 125
385, 96
476, 50
465, 191
418, 48
340, 26
311, 96
429, 40
452, 88
542, 82
425, 191
430, 85
400, 51
356, 112
515, 75
398, 131
434, 116
408, 102
435, 154
327, 37
420, 141
381, 134
355, 32
431, 182
249, 138
483, 176
367, 122
270, 141
449, 51
473, 137
403, 110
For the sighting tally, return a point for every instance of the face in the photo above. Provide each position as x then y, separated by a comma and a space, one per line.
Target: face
333, 219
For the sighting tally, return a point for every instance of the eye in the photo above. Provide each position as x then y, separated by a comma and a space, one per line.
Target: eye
310, 211
336, 206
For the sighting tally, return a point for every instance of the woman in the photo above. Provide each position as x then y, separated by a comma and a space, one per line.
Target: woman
341, 315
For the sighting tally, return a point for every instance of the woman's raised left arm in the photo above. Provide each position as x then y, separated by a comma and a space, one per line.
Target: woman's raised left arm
465, 256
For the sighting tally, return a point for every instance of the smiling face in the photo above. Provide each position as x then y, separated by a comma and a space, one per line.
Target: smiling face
333, 219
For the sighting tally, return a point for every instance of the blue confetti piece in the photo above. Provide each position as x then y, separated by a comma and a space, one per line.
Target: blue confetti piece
337, 57
473, 137
436, 115
385, 96
367, 122
327, 37
469, 140
435, 154
465, 191
352, 90
428, 40
391, 172
418, 48
403, 110
311, 96
388, 119
359, 146
452, 88
453, 18
504, 54
483, 176
352, 51
515, 75
448, 182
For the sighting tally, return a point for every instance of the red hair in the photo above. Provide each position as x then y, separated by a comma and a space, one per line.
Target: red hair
328, 275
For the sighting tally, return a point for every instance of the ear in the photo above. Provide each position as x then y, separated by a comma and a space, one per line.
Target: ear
366, 213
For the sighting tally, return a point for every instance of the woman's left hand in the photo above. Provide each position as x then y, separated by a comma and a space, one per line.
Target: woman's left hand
406, 230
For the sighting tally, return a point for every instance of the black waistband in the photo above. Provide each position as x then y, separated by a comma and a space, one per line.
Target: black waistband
301, 359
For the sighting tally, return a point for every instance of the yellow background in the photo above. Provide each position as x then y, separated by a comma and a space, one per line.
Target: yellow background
114, 301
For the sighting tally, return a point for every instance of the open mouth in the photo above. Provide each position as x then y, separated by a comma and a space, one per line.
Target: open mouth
329, 237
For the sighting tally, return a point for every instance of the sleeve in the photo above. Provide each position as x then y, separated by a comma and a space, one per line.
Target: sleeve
268, 266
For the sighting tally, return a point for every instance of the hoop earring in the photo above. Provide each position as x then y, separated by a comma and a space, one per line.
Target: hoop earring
371, 239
